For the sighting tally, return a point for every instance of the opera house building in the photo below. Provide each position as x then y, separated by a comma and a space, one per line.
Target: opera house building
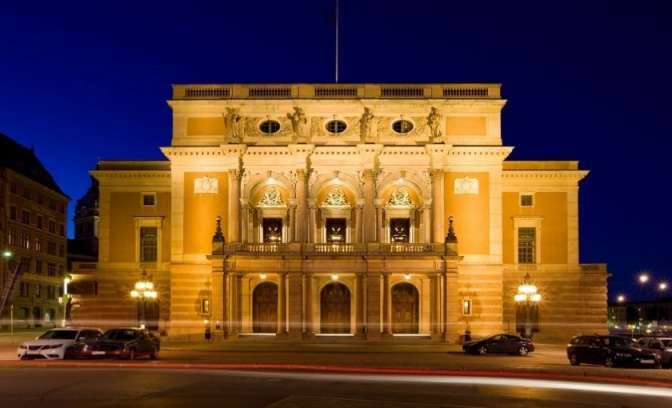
370, 213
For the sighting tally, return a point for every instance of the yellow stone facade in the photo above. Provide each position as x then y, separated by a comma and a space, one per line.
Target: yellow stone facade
335, 203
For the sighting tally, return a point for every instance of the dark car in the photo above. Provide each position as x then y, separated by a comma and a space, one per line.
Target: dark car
661, 346
129, 343
609, 351
500, 343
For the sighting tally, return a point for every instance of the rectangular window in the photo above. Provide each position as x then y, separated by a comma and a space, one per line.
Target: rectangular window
51, 248
38, 267
25, 289
51, 269
466, 307
272, 228
205, 306
527, 200
52, 227
148, 244
148, 199
61, 250
25, 217
12, 213
60, 270
25, 265
38, 290
61, 230
400, 230
25, 240
39, 221
38, 244
336, 230
12, 188
51, 292
527, 245
13, 238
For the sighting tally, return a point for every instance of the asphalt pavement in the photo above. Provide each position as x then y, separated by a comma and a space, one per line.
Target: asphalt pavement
91, 387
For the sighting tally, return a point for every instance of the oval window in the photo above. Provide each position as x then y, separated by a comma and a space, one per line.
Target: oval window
269, 126
336, 126
402, 126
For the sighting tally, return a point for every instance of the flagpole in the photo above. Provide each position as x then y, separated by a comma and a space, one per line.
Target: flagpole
337, 1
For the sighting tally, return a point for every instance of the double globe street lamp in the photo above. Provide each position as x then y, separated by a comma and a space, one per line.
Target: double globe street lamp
144, 292
527, 299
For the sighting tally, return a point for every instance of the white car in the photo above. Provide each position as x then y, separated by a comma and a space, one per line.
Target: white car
57, 344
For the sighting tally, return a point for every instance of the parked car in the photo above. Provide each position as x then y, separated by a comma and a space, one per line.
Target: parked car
661, 346
129, 343
610, 351
500, 343
58, 344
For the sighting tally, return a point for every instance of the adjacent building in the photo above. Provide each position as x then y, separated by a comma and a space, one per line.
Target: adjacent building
341, 212
33, 231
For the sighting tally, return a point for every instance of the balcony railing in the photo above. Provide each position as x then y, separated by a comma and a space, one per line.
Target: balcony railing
326, 249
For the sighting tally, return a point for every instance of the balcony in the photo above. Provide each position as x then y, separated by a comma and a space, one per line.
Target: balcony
352, 249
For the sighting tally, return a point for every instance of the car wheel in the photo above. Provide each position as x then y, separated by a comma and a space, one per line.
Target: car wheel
482, 350
131, 354
522, 351
609, 362
573, 360
153, 355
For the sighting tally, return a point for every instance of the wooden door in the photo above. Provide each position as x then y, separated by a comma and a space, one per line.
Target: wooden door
405, 308
335, 309
265, 308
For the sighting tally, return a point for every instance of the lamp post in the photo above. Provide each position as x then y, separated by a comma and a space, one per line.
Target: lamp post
527, 298
8, 280
142, 293
65, 299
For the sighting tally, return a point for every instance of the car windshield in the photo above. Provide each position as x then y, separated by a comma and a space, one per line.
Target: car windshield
620, 342
119, 335
59, 335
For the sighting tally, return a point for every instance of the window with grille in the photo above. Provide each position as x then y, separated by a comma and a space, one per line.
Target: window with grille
527, 245
148, 244
526, 200
402, 126
51, 269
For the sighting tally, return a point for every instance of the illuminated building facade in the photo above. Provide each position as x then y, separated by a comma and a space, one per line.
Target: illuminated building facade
358, 212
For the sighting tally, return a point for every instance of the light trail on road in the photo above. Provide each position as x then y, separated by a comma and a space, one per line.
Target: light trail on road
631, 390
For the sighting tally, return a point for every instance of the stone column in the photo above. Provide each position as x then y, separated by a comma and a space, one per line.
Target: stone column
282, 297
312, 223
387, 321
291, 234
245, 220
369, 211
217, 297
235, 304
358, 223
434, 319
373, 321
234, 206
361, 289
309, 305
301, 205
295, 305
437, 206
380, 222
427, 223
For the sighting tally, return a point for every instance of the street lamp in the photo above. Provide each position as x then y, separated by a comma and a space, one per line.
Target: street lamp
143, 292
620, 298
527, 298
643, 278
662, 286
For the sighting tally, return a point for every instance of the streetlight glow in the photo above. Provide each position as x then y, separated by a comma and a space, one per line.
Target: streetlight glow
620, 298
7, 253
662, 286
643, 278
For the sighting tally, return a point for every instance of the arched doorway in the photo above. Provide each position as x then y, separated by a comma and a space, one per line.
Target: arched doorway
265, 308
335, 308
405, 309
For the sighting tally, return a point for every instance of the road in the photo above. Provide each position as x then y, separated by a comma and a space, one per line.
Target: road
55, 387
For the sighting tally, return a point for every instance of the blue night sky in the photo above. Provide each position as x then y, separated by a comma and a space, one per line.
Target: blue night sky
586, 80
